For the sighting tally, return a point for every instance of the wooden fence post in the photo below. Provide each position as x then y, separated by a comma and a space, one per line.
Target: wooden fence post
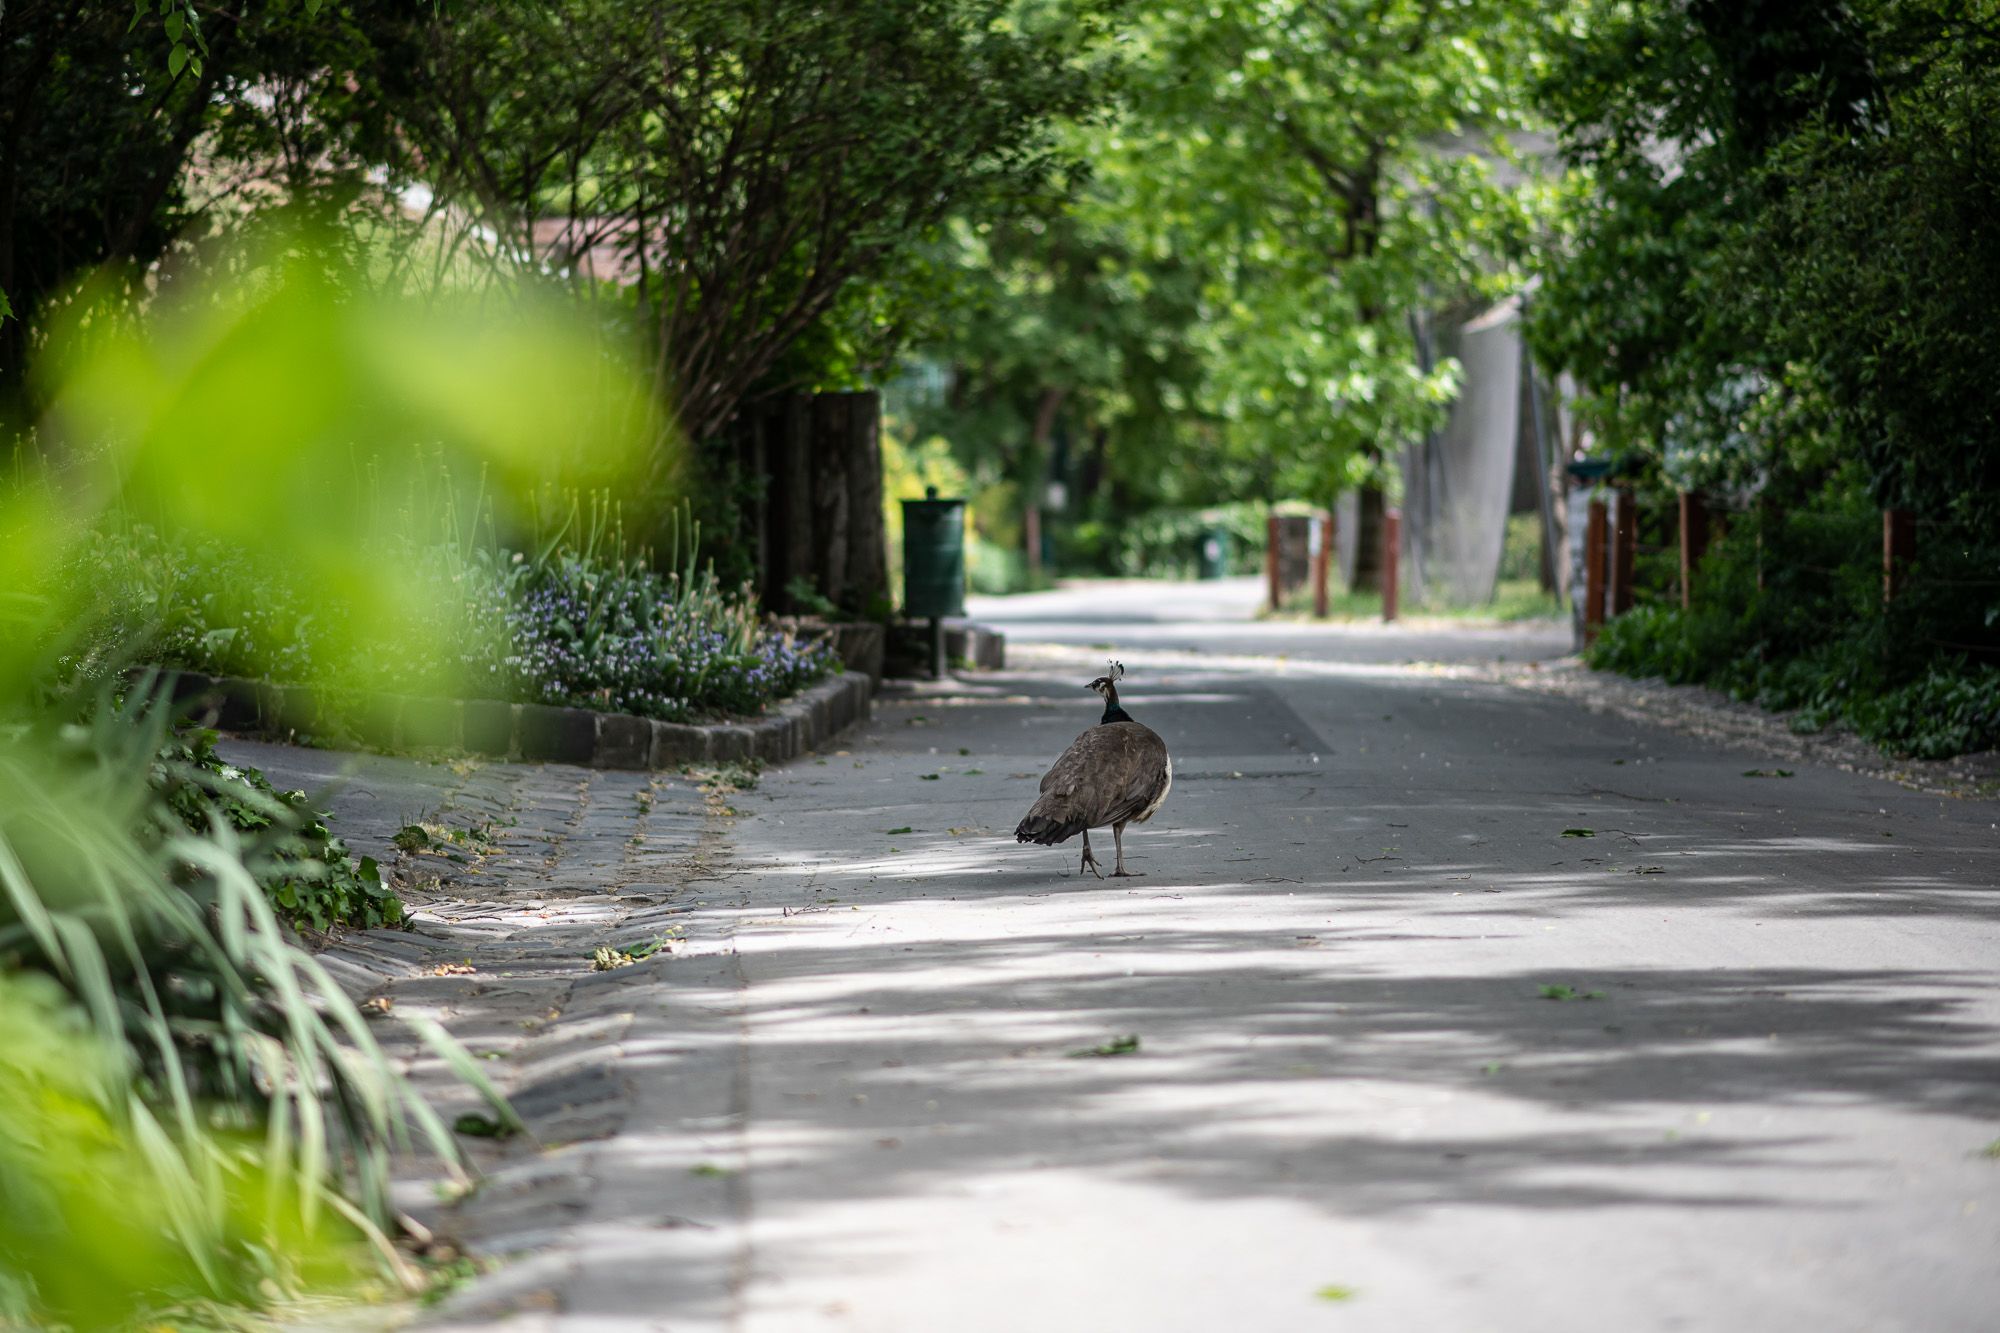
1321, 560
1899, 547
1271, 558
1694, 542
1625, 544
1392, 540
1593, 571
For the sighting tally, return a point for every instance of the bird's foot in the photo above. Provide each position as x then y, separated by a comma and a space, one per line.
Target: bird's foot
1126, 874
1090, 863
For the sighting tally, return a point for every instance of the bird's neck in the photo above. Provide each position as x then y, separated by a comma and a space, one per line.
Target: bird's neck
1112, 712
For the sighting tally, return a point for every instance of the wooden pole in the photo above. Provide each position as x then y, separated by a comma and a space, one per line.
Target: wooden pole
1593, 571
1694, 542
1031, 535
1899, 547
1271, 558
1392, 540
1625, 544
1321, 560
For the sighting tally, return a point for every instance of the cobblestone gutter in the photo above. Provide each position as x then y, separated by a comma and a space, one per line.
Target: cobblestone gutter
532, 869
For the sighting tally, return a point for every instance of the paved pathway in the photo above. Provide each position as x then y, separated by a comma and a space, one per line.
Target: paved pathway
1144, 615
851, 1098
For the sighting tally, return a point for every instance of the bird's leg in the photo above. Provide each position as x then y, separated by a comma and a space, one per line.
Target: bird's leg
1118, 837
1089, 861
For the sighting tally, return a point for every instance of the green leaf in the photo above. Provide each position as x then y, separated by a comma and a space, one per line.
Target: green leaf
176, 24
1579, 833
1335, 1292
473, 1124
177, 60
1125, 1045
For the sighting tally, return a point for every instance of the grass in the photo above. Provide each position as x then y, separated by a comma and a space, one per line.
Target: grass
1513, 600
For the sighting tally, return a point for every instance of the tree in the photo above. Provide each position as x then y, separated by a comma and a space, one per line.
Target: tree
733, 172
103, 120
1233, 289
1780, 260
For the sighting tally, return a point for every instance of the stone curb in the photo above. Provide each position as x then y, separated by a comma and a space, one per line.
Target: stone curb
533, 732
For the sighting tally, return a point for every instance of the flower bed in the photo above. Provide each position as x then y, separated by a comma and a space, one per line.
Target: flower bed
568, 628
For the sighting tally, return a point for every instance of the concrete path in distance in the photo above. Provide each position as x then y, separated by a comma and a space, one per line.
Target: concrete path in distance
1457, 1008
1218, 615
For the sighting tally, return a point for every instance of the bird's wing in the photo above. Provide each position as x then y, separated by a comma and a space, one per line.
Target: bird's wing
1073, 767
1109, 773
1136, 783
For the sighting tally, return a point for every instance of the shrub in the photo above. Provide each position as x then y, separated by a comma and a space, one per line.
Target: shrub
572, 627
1788, 614
306, 872
1166, 543
217, 1050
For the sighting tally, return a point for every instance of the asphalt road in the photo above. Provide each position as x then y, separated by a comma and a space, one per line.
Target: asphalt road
1457, 1009
1438, 1005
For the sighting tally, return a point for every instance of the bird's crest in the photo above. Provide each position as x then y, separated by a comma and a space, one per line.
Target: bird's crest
1104, 683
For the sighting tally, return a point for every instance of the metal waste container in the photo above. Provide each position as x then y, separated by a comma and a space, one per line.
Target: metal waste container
1213, 556
933, 557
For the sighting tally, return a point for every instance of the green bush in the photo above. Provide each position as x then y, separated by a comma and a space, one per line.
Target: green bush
1788, 614
1166, 543
579, 623
307, 873
102, 1225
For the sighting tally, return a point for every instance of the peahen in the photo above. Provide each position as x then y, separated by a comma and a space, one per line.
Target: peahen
1116, 773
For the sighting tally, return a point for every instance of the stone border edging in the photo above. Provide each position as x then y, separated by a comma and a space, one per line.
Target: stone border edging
545, 733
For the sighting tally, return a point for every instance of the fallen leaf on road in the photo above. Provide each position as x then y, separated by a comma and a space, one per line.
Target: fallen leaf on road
1570, 993
1335, 1292
1116, 1046
1579, 833
474, 1125
1767, 772
905, 829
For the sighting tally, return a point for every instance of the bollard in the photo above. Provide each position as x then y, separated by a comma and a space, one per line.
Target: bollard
1392, 533
1593, 572
1899, 547
1322, 558
1694, 542
1625, 544
1271, 559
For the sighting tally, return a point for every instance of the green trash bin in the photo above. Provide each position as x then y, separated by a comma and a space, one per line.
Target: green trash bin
1213, 554
934, 565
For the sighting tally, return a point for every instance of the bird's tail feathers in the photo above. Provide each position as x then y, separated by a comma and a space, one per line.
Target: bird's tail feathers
1047, 830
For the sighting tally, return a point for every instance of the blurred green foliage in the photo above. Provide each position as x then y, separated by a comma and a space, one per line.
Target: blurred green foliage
264, 420
1787, 617
101, 1224
1773, 280
1223, 309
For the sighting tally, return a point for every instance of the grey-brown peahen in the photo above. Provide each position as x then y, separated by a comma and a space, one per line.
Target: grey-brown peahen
1116, 773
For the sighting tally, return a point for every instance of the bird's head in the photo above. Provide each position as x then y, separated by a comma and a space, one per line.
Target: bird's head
1107, 685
